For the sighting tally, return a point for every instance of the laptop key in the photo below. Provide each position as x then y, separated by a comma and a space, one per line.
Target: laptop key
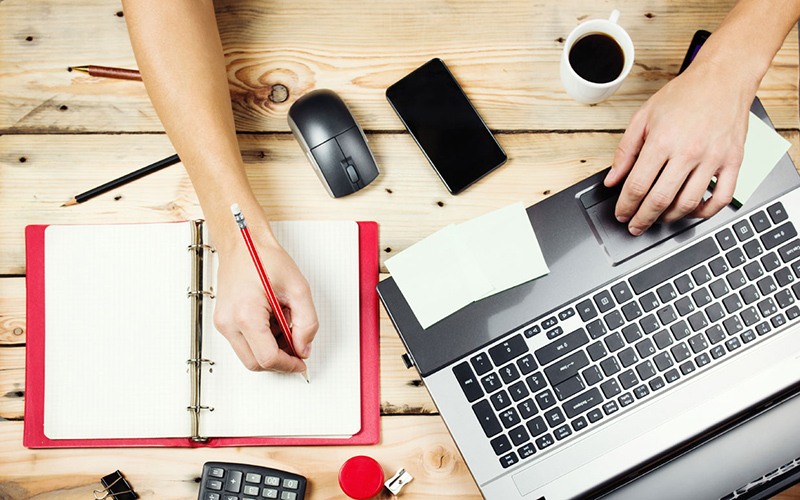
527, 409
672, 375
518, 391
778, 236
749, 294
508, 460
715, 334
684, 284
549, 322
753, 249
604, 300
610, 366
760, 221
536, 382
592, 375
500, 444
566, 314
680, 330
565, 368
698, 343
714, 312
481, 363
596, 328
663, 339
784, 277
748, 336
649, 302
645, 370
733, 325
718, 352
763, 328
509, 418
735, 257
627, 379
487, 418
526, 364
610, 407
594, 415
666, 315
701, 275
732, 303
649, 324
491, 382
509, 373
526, 451
614, 320
500, 400
767, 307
555, 332
532, 330
625, 399
778, 320
701, 297
673, 266
702, 360
536, 426
645, 348
544, 442
622, 292
784, 298
610, 388
725, 239
561, 347
554, 417
666, 293
469, 384
583, 402
641, 391
627, 357
569, 387
736, 279
562, 431
631, 311
586, 310
680, 352
508, 350
777, 213
742, 230
684, 306
518, 435
631, 333
771, 261
793, 312
656, 384
596, 351
614, 342
545, 399
579, 424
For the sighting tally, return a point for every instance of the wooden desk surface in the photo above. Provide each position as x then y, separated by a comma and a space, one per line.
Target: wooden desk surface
65, 132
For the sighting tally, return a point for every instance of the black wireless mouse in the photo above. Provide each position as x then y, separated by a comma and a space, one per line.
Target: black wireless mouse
333, 141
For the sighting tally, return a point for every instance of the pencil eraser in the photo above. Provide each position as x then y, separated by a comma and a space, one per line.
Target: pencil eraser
235, 209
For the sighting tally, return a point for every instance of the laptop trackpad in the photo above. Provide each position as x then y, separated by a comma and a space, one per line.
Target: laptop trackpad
599, 203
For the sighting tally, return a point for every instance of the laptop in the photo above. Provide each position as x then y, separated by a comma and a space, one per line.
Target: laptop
661, 366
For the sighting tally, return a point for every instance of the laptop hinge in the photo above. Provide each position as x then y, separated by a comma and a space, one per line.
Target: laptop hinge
407, 360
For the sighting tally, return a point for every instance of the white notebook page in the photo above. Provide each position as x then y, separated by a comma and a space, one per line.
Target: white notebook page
269, 404
117, 331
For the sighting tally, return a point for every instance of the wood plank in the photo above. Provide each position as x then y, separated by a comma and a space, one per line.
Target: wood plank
505, 54
408, 200
401, 389
420, 444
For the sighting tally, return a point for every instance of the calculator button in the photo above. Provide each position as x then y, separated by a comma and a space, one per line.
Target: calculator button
251, 490
290, 483
288, 495
213, 484
272, 481
269, 493
216, 472
234, 482
252, 478
212, 496
230, 497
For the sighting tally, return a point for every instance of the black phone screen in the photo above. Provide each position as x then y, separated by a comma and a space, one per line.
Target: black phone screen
448, 130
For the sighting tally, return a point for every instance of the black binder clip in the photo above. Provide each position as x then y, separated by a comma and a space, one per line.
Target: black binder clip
115, 487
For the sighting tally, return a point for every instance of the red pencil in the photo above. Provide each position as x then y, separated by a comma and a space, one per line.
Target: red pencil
273, 300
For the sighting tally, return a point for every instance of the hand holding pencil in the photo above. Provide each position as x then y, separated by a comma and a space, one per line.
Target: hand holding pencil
242, 311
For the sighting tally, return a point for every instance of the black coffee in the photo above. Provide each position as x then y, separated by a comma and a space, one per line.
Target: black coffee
597, 57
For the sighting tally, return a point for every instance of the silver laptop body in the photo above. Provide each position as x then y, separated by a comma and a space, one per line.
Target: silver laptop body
524, 385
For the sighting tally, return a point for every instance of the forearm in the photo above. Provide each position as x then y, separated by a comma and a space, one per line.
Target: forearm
179, 53
744, 44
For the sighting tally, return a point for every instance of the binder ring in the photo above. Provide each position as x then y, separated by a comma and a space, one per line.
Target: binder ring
199, 408
196, 361
200, 292
208, 247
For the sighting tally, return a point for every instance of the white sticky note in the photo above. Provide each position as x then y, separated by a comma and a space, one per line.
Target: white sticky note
461, 264
436, 277
505, 247
763, 147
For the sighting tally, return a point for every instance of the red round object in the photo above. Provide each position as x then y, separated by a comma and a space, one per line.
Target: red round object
361, 477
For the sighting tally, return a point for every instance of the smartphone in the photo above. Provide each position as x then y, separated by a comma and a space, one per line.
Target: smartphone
699, 38
445, 125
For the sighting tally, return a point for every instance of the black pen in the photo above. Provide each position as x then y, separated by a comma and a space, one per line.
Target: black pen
108, 186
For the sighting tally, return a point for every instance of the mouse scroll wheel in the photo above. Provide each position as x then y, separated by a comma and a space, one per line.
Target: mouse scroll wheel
351, 172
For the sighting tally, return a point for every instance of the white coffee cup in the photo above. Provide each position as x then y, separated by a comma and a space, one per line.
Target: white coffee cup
581, 89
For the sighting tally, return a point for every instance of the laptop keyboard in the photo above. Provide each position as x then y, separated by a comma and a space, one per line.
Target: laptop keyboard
619, 346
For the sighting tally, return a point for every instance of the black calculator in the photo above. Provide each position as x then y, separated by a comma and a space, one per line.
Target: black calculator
229, 481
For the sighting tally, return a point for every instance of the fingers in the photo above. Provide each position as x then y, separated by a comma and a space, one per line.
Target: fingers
629, 147
637, 185
242, 350
691, 195
304, 322
721, 196
266, 351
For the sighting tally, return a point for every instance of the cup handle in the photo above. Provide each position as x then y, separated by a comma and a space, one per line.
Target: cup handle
614, 17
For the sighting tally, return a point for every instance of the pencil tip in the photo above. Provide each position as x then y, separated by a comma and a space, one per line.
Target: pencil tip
71, 201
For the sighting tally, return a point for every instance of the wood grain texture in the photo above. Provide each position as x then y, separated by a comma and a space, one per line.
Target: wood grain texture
407, 199
505, 55
420, 444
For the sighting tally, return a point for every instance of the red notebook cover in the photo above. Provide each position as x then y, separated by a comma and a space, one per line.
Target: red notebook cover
34, 361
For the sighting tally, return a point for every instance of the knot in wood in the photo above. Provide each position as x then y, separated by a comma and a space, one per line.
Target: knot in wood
18, 331
438, 460
279, 93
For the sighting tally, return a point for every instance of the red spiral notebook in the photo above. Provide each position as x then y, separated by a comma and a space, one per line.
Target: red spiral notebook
106, 318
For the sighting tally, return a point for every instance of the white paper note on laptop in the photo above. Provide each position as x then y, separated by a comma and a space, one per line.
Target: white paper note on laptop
460, 264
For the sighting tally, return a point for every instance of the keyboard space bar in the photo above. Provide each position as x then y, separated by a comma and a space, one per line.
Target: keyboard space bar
673, 266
